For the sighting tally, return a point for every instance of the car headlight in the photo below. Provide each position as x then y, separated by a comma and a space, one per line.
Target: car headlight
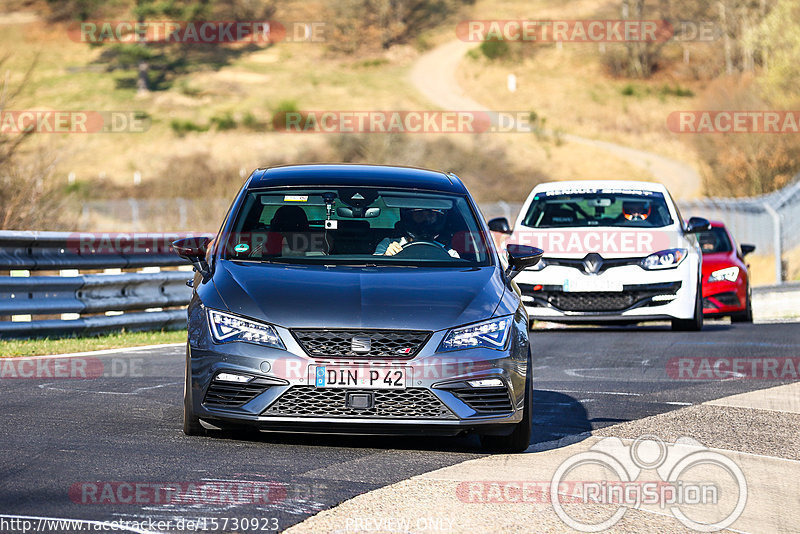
664, 259
729, 273
226, 328
488, 334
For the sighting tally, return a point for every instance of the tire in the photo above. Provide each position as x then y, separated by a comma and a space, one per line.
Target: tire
520, 439
695, 324
191, 423
747, 315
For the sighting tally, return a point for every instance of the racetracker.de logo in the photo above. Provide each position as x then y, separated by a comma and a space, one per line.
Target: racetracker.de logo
70, 368
86, 243
405, 121
634, 242
702, 368
70, 122
200, 32
734, 121
205, 492
576, 31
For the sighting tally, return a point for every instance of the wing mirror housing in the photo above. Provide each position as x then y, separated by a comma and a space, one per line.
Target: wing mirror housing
747, 249
521, 257
500, 224
697, 224
194, 249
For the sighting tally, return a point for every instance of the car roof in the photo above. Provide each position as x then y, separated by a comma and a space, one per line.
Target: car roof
336, 174
601, 184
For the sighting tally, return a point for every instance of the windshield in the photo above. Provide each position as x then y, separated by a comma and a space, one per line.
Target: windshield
714, 240
597, 207
357, 225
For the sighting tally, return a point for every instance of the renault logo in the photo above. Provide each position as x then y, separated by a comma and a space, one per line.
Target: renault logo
360, 345
592, 263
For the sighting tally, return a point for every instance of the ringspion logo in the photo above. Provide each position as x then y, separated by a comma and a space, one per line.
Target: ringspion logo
693, 479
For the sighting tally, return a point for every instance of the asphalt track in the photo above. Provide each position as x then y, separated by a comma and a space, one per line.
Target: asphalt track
65, 442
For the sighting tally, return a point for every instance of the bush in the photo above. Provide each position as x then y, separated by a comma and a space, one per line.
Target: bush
224, 121
494, 49
678, 91
251, 122
184, 126
282, 110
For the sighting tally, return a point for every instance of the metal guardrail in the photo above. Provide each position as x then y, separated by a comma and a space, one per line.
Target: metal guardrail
89, 303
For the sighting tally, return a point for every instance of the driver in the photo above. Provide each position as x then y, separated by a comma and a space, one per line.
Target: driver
417, 224
636, 210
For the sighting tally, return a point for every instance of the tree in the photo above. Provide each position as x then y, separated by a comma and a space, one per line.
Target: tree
170, 57
28, 196
777, 37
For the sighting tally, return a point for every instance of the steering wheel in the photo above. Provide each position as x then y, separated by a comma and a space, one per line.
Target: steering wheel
427, 250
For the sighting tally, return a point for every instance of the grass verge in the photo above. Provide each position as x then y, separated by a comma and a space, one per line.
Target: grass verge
32, 347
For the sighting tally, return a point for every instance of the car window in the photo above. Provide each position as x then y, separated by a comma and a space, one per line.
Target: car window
598, 207
714, 240
357, 225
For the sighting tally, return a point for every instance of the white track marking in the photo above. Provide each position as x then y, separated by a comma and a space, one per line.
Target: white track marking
134, 392
622, 393
98, 352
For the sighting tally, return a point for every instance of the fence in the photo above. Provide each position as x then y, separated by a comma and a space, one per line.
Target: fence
771, 222
60, 301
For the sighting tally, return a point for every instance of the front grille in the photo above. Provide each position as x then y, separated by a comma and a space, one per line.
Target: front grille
485, 401
308, 401
591, 301
604, 265
233, 394
383, 343
600, 301
729, 298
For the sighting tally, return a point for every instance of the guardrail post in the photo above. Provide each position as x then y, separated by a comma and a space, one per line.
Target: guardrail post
776, 236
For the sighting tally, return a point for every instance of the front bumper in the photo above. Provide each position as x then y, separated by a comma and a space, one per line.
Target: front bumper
645, 295
282, 395
724, 298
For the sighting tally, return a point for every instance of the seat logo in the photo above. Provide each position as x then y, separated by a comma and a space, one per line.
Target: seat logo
592, 263
361, 345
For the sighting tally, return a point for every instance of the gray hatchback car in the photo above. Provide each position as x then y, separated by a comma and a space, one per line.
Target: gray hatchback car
358, 299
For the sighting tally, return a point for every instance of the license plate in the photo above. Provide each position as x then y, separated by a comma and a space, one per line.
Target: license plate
366, 377
591, 284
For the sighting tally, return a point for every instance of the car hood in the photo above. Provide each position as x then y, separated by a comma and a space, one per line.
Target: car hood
297, 296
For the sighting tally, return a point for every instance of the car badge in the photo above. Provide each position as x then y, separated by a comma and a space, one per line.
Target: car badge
361, 345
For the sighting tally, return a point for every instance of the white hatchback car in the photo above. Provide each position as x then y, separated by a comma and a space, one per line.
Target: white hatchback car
614, 252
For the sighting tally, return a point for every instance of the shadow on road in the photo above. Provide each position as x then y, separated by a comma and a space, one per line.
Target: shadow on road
558, 420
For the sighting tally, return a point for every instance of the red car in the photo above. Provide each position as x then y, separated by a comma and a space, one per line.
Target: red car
726, 282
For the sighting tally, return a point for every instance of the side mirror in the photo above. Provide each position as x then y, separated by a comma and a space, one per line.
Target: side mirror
500, 224
697, 224
194, 249
521, 257
747, 249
